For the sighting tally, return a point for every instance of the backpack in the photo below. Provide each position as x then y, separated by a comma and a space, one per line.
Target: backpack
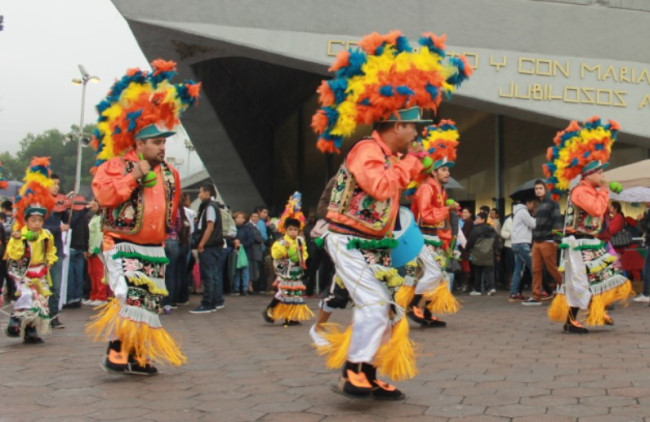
483, 251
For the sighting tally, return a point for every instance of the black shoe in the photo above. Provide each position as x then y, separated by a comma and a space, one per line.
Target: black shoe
416, 315
267, 316
31, 336
436, 322
13, 327
55, 323
575, 329
384, 391
114, 361
72, 305
293, 323
380, 389
134, 368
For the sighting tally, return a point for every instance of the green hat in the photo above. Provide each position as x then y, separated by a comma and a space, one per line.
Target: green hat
408, 115
153, 131
35, 209
593, 166
443, 163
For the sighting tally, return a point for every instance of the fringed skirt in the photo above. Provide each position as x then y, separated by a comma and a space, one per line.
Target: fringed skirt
31, 307
136, 275
591, 281
290, 293
426, 276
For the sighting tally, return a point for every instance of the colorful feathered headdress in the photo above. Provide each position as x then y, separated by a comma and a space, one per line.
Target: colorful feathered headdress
439, 143
34, 196
3, 182
580, 148
384, 75
139, 100
293, 209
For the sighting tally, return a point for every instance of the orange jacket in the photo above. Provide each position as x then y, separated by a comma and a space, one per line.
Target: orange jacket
382, 174
429, 209
112, 186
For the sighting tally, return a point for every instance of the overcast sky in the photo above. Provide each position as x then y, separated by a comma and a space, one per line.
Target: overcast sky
41, 46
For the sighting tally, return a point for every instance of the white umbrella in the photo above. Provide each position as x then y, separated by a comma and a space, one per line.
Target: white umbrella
633, 194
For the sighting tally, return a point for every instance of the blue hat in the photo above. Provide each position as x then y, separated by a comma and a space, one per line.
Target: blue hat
408, 115
153, 131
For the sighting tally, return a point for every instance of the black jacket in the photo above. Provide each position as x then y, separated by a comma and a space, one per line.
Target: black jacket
216, 238
483, 230
547, 218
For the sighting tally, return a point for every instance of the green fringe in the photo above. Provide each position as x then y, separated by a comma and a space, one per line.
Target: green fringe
433, 242
593, 247
145, 258
319, 242
386, 243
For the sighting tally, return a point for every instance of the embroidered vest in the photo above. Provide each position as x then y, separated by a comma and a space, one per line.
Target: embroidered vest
348, 199
578, 221
127, 217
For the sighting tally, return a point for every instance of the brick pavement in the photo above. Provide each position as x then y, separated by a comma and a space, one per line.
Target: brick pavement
496, 361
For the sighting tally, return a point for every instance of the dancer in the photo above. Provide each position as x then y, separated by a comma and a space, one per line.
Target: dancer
431, 209
289, 256
386, 84
30, 254
139, 193
591, 282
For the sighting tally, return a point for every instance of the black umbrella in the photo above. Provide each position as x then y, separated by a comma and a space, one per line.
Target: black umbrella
524, 192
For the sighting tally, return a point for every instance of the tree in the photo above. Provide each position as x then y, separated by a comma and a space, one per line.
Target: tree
62, 150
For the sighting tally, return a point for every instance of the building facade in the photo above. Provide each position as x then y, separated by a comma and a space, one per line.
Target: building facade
538, 64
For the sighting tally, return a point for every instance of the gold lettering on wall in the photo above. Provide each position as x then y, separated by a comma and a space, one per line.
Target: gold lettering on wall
552, 71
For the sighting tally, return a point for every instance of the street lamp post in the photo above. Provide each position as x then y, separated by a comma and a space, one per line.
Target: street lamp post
85, 77
190, 148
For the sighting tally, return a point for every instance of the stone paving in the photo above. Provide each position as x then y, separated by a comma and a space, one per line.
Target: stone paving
496, 361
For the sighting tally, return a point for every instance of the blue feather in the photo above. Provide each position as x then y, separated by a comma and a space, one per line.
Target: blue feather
404, 90
386, 91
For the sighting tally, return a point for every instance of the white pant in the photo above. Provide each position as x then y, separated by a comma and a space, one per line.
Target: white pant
371, 325
431, 274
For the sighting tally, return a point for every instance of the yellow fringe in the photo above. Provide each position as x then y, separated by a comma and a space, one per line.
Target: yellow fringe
339, 343
144, 342
597, 313
559, 308
292, 312
396, 358
441, 301
404, 296
142, 280
390, 276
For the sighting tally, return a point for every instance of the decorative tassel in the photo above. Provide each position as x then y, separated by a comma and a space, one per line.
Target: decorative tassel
599, 302
396, 358
559, 308
339, 343
441, 301
141, 340
596, 311
404, 296
292, 312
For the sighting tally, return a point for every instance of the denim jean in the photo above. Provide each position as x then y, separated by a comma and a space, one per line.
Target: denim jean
211, 262
522, 260
55, 274
240, 283
172, 280
75, 275
646, 272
